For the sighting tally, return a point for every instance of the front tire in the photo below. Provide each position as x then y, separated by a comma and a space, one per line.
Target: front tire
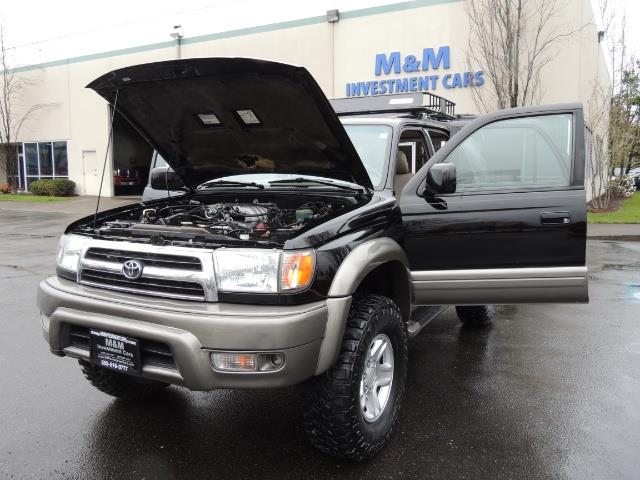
355, 404
120, 385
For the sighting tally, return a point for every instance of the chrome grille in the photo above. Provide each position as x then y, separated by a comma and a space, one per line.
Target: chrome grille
148, 258
144, 285
168, 272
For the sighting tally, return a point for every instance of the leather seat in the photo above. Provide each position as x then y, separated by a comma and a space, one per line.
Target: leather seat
403, 173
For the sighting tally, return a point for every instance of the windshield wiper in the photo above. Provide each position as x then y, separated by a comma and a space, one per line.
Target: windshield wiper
312, 180
230, 183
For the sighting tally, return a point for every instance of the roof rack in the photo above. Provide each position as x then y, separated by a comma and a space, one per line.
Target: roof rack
427, 104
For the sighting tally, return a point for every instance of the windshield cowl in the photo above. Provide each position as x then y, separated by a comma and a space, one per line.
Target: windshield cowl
280, 181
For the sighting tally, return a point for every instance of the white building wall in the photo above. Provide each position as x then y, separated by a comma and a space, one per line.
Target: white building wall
334, 53
358, 40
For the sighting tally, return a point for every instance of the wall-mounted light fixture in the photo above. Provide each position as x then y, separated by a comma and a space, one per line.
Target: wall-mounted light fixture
333, 16
177, 32
600, 35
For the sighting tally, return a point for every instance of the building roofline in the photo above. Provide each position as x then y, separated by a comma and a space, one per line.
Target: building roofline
302, 22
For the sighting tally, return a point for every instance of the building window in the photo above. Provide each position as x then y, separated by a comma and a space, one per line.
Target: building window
46, 159
60, 161
37, 160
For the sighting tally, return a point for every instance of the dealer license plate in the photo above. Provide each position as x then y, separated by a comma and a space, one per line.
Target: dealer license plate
115, 352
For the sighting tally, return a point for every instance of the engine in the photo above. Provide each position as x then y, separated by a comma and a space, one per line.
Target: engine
254, 221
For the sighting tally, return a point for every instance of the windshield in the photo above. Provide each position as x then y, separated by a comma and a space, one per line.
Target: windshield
372, 144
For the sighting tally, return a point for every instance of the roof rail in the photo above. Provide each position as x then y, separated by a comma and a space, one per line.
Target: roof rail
428, 104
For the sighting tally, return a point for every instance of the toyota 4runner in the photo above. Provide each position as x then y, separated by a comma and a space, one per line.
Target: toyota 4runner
310, 242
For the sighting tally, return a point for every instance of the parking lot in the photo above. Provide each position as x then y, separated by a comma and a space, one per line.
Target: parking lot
550, 391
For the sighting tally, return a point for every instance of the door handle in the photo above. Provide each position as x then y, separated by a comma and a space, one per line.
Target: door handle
555, 218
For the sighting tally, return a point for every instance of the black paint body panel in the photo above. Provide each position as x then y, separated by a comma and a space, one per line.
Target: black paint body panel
495, 231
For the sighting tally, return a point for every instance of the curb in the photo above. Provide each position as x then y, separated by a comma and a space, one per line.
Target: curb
620, 238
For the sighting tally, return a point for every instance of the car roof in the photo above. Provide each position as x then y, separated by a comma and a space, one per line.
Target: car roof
395, 121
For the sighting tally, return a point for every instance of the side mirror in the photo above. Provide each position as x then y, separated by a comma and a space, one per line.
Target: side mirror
163, 178
441, 178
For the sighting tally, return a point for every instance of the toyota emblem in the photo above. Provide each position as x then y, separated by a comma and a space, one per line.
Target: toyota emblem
132, 269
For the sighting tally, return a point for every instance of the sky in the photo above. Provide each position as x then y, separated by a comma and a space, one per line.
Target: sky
43, 31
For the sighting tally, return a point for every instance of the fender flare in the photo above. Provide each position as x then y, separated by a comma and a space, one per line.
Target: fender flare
359, 263
363, 260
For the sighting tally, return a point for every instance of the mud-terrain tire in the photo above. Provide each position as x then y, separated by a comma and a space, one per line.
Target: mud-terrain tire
476, 315
121, 385
335, 420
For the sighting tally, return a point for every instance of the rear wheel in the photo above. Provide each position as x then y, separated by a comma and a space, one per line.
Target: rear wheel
476, 315
120, 385
354, 405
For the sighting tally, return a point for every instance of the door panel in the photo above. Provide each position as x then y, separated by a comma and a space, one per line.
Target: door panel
515, 230
497, 231
90, 180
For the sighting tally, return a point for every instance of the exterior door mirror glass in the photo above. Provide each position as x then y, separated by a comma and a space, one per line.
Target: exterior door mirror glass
164, 178
441, 178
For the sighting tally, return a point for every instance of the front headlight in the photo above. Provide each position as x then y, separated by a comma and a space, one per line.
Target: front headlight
251, 270
68, 257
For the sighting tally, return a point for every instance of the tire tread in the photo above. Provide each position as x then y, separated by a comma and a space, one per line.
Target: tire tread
331, 421
120, 385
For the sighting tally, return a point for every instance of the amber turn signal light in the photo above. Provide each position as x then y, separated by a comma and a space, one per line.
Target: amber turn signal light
297, 269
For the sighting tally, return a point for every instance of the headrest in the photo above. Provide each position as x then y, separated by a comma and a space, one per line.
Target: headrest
402, 164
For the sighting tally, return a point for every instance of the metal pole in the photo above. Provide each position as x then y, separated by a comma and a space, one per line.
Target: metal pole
106, 154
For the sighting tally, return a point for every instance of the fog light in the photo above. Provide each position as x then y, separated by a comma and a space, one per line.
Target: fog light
234, 362
270, 362
277, 359
44, 321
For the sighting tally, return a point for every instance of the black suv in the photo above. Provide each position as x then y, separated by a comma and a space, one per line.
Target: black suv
303, 242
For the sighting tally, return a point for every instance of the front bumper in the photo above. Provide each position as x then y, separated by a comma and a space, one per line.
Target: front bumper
188, 331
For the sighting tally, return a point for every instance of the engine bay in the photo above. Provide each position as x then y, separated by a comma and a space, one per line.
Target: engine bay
243, 221
251, 220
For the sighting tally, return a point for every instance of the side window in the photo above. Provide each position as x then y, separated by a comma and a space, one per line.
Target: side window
438, 139
412, 154
516, 153
414, 146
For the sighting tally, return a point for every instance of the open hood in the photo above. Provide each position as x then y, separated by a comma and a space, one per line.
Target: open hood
213, 117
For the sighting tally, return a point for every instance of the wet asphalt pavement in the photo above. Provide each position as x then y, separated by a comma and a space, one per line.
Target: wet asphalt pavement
550, 391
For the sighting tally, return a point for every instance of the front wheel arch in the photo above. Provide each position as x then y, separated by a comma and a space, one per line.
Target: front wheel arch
379, 267
390, 280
